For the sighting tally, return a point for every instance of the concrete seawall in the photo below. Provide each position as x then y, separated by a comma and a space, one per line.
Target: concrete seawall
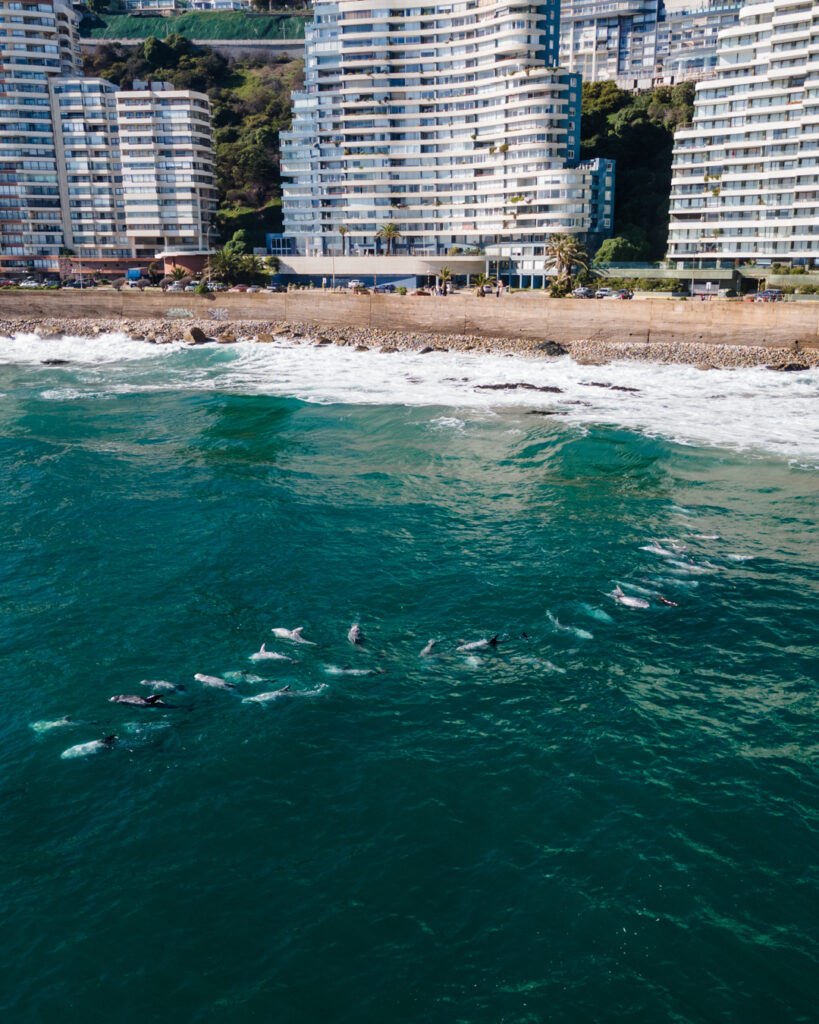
533, 317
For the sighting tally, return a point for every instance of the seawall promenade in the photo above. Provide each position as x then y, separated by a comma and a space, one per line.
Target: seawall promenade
637, 329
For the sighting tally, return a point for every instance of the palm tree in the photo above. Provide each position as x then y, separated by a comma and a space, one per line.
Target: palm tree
343, 230
226, 264
445, 275
480, 281
389, 232
564, 252
178, 273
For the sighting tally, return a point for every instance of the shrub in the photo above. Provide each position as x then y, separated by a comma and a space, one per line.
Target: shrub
402, 290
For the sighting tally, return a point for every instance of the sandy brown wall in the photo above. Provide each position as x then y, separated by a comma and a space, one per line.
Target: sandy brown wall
524, 316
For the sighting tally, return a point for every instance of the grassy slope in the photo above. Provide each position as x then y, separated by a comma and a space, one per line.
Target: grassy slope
198, 25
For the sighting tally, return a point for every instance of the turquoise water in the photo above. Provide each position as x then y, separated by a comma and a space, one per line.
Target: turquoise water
612, 816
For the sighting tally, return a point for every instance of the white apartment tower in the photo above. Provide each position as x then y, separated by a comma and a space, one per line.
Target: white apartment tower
38, 41
89, 168
166, 144
453, 123
745, 177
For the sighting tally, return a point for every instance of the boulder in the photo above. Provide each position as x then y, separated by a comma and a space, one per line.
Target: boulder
226, 338
388, 348
789, 367
551, 348
362, 348
513, 387
194, 336
264, 339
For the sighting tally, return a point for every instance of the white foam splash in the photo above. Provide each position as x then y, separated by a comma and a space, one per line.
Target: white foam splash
744, 409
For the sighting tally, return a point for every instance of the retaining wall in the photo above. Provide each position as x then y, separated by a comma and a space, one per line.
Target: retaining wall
777, 325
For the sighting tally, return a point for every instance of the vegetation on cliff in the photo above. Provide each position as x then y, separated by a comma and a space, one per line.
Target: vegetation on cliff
636, 130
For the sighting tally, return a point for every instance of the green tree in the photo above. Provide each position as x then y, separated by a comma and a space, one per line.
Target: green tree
618, 250
445, 275
480, 281
563, 252
178, 273
343, 230
389, 232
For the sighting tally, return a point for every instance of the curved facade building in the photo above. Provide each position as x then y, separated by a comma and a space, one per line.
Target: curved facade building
745, 176
453, 123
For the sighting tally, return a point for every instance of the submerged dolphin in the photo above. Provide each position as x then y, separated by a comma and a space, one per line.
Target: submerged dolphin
154, 701
347, 670
428, 649
214, 681
94, 747
355, 636
291, 634
46, 725
479, 645
627, 600
265, 698
264, 655
161, 684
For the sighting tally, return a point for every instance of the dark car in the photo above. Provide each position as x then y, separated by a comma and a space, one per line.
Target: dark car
769, 295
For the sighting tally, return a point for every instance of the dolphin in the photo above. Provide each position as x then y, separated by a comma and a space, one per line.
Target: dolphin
214, 681
479, 645
584, 634
264, 698
263, 654
428, 649
154, 701
243, 676
57, 723
94, 747
291, 634
629, 602
347, 670
161, 684
355, 636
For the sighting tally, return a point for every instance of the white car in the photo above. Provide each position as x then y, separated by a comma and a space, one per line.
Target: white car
30, 284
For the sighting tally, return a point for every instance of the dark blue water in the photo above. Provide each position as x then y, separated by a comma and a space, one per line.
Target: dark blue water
611, 816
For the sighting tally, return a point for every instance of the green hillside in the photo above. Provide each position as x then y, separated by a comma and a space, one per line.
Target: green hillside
197, 25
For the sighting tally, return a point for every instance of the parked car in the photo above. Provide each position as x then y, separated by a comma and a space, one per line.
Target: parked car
176, 286
254, 288
238, 288
276, 288
602, 293
191, 287
30, 283
769, 295
618, 295
583, 293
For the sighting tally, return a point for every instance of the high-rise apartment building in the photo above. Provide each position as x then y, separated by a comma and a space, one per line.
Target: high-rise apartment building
89, 168
166, 144
453, 124
641, 43
38, 41
745, 176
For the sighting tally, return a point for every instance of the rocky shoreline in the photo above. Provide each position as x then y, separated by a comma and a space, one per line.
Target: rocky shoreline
583, 351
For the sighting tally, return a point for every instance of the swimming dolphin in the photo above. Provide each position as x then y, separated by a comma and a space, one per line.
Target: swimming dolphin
214, 681
161, 684
94, 747
243, 676
263, 654
347, 670
264, 698
665, 600
46, 725
291, 634
355, 636
428, 649
154, 701
479, 645
629, 602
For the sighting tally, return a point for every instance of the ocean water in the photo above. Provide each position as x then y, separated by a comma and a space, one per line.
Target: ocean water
610, 815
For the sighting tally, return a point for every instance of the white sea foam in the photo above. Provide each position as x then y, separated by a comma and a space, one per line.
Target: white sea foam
745, 409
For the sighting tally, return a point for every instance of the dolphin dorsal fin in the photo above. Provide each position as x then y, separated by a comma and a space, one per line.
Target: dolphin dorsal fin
494, 639
298, 630
286, 689
263, 649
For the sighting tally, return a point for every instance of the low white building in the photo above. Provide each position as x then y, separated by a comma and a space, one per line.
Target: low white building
745, 176
166, 142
